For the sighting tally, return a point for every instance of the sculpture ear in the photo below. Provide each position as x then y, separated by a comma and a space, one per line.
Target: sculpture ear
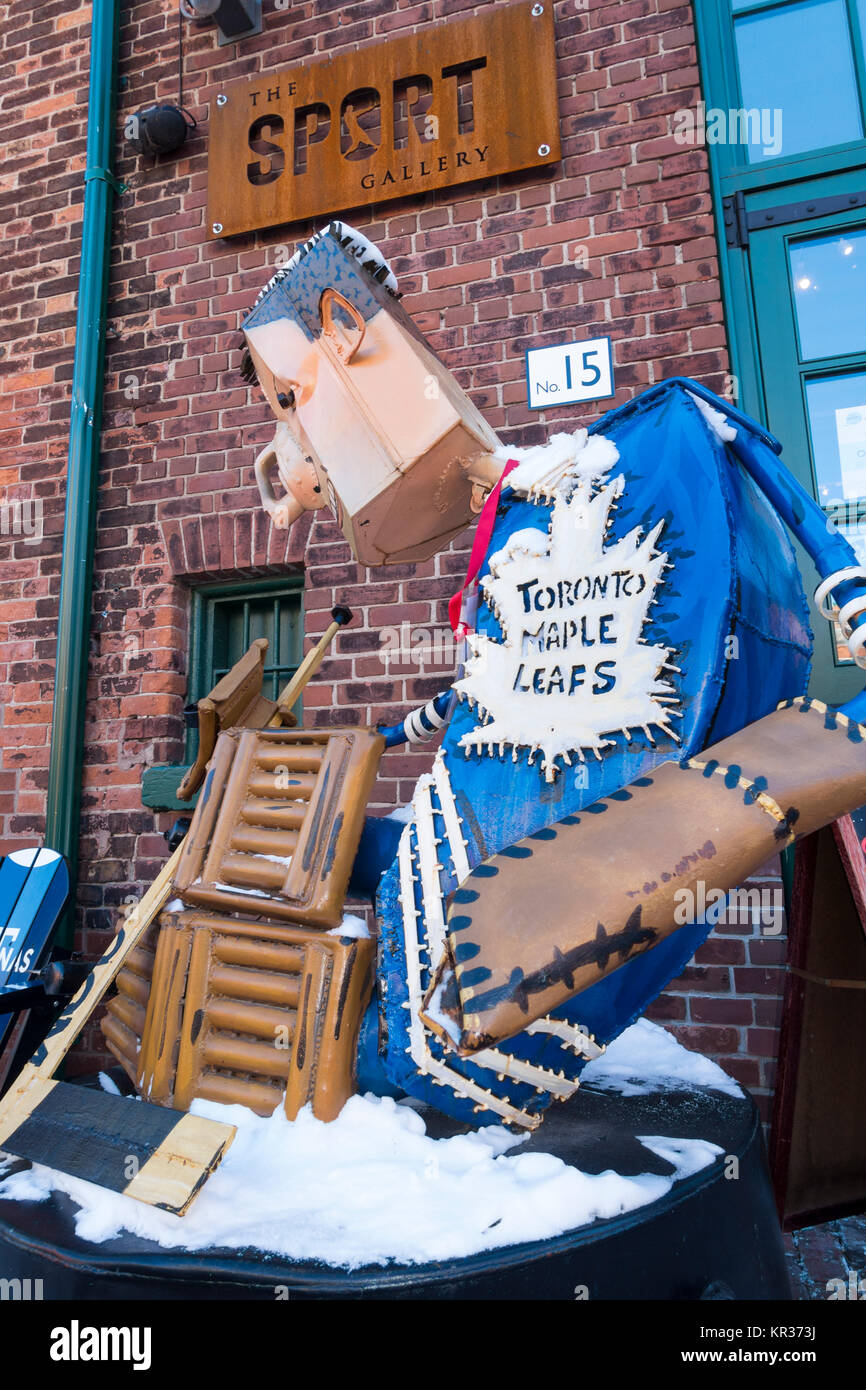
285, 510
303, 492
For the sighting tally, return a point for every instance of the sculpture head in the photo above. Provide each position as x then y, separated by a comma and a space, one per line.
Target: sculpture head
370, 421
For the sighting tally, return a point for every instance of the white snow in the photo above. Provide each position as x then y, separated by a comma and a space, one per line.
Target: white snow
176, 905
33, 858
646, 1058
434, 1012
236, 888
718, 423
372, 1186
564, 458
351, 925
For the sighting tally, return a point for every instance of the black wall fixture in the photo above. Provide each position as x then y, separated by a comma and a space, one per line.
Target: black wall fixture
235, 19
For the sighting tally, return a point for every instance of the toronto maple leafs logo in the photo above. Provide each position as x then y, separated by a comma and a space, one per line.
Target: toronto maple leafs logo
571, 668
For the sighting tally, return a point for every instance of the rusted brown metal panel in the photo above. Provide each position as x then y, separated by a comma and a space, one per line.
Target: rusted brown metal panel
445, 105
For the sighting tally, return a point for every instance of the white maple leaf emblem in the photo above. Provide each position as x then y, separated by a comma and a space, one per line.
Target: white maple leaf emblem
572, 666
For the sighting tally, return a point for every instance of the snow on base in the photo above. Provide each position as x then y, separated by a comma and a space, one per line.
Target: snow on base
645, 1058
564, 457
373, 1187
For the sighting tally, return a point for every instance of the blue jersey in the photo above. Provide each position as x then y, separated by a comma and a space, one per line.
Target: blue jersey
623, 621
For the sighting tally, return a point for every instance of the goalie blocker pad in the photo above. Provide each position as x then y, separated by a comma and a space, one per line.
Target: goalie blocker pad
618, 878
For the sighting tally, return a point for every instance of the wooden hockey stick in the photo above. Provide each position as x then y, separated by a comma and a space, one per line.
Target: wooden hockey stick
310, 665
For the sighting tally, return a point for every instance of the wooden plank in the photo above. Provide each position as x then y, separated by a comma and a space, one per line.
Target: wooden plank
849, 833
144, 1151
818, 1138
307, 669
452, 102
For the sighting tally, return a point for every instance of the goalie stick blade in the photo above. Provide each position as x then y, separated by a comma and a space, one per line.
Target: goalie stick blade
158, 1156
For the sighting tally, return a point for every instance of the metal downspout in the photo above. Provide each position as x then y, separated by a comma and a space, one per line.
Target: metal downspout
73, 631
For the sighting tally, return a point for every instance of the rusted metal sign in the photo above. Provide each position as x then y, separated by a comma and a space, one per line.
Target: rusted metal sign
448, 104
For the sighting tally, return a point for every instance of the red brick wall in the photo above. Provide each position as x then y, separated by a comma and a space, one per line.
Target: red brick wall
616, 239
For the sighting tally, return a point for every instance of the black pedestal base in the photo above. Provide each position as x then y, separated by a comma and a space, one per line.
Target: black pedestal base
713, 1236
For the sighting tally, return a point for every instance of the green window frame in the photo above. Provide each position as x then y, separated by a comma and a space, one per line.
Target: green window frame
715, 22
833, 171
758, 208
224, 619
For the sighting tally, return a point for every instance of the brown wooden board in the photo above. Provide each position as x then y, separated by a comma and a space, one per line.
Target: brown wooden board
142, 1151
818, 1137
456, 101
850, 834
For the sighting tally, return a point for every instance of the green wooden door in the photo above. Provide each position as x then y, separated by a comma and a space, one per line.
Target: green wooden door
809, 285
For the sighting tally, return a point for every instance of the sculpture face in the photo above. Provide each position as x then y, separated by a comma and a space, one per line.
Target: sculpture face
366, 404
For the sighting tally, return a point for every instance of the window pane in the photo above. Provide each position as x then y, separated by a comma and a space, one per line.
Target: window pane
828, 276
797, 70
237, 622
837, 425
836, 408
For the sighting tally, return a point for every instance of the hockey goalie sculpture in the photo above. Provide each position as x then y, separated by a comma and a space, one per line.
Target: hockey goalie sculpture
629, 727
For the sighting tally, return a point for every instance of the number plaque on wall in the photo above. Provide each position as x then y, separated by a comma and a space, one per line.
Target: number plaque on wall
448, 104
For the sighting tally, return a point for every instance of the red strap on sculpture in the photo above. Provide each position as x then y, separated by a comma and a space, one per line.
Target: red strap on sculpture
483, 532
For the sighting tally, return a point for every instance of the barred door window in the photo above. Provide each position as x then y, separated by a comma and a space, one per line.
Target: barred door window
224, 620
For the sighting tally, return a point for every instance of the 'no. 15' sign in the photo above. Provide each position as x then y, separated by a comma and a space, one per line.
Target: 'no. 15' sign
572, 372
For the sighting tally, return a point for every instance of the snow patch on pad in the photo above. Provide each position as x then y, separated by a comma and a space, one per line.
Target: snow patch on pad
372, 1187
351, 925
